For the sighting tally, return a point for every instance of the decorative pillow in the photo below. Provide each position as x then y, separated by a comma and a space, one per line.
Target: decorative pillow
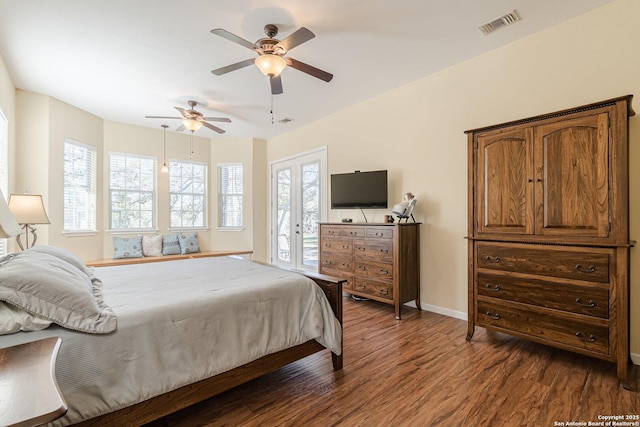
64, 255
53, 289
127, 247
152, 245
170, 244
189, 243
13, 319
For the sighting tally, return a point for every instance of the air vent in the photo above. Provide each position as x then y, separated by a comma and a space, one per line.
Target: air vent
285, 120
502, 21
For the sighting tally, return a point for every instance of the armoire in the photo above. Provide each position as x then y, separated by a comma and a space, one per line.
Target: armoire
548, 230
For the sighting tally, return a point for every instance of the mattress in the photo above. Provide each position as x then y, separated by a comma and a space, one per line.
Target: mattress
179, 322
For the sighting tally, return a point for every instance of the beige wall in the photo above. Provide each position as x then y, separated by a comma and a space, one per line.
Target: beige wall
417, 132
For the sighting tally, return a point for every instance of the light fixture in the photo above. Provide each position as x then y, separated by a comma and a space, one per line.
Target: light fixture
270, 65
192, 125
28, 209
8, 225
164, 168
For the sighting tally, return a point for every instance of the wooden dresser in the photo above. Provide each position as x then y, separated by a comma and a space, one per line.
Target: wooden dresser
549, 230
379, 261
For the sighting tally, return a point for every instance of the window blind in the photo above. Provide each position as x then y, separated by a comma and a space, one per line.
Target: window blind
230, 190
132, 191
187, 194
79, 186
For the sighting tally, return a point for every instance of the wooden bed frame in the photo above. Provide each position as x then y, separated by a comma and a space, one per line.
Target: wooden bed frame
188, 395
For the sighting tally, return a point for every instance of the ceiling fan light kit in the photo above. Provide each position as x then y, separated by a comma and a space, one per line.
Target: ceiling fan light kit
192, 124
193, 120
270, 65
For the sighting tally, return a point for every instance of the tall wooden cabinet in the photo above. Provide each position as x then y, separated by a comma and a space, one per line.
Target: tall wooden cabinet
549, 230
379, 261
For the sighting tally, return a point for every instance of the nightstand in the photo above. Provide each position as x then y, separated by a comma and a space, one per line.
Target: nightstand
29, 393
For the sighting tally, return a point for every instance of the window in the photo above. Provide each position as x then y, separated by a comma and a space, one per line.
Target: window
187, 194
230, 195
132, 190
4, 168
79, 186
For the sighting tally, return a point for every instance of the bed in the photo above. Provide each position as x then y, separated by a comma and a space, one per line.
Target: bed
185, 330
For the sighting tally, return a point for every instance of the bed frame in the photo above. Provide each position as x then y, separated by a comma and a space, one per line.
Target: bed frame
165, 404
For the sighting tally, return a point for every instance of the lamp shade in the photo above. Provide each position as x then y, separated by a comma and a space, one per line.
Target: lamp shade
28, 209
192, 125
270, 64
8, 224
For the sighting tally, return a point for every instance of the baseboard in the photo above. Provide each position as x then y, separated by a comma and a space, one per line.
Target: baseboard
440, 310
635, 357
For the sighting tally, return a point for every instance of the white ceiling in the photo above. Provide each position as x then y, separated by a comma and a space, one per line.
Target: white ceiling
124, 59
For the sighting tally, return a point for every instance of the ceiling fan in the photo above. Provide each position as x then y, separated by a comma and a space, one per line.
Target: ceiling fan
193, 120
271, 58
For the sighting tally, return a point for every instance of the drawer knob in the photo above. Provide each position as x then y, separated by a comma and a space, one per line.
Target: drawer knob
363, 287
591, 269
362, 267
384, 291
327, 262
379, 234
494, 260
346, 265
381, 271
384, 251
362, 248
345, 246
590, 304
330, 232
492, 287
493, 316
580, 336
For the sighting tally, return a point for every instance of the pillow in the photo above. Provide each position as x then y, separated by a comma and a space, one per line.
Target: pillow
127, 247
152, 245
170, 244
13, 319
189, 243
64, 255
50, 288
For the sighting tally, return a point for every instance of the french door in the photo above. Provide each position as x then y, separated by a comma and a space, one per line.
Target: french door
298, 203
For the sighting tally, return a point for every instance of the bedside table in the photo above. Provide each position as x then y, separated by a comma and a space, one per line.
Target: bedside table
29, 393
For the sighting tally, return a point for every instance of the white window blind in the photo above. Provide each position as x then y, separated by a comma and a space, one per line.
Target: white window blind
187, 194
4, 167
79, 186
230, 189
132, 191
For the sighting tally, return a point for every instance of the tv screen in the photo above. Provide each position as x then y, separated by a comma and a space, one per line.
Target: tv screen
359, 190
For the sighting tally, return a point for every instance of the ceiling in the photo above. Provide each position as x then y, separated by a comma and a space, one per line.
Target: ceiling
124, 59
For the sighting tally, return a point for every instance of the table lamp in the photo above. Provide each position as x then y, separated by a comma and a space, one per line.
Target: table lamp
28, 209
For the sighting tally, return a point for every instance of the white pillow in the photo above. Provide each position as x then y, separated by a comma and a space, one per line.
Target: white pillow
152, 245
51, 288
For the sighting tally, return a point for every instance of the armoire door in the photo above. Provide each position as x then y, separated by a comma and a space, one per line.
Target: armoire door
572, 174
505, 173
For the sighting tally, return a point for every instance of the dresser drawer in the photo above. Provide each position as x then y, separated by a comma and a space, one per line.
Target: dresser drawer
340, 274
328, 230
588, 264
337, 245
352, 231
379, 233
337, 262
588, 300
576, 333
381, 290
383, 272
374, 250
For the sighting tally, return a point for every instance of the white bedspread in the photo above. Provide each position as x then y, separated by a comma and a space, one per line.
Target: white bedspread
180, 322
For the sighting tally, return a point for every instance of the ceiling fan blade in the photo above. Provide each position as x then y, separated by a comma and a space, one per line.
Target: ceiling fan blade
180, 128
212, 127
184, 112
233, 67
312, 71
232, 37
276, 85
161, 117
297, 38
218, 119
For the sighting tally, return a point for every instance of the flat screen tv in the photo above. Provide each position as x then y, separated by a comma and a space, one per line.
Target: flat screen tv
359, 190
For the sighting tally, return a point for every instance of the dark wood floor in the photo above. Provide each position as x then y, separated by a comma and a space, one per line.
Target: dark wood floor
421, 371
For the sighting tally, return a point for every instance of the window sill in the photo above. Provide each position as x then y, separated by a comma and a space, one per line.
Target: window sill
134, 231
80, 233
230, 229
187, 230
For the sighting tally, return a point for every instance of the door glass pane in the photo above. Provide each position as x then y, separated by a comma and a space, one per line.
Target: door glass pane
283, 225
310, 213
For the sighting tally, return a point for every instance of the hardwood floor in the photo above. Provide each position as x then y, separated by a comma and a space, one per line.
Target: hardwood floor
421, 371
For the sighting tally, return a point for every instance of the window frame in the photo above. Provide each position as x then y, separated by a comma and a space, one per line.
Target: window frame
4, 170
221, 195
154, 194
205, 211
92, 187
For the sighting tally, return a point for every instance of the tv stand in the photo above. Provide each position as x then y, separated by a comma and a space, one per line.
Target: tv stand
379, 261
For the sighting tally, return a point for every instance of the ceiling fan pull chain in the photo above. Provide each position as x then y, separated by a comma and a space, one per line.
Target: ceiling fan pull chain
191, 146
272, 120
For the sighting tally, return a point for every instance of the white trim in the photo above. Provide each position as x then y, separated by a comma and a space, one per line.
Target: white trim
187, 229
80, 233
134, 231
440, 310
635, 358
230, 229
304, 153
